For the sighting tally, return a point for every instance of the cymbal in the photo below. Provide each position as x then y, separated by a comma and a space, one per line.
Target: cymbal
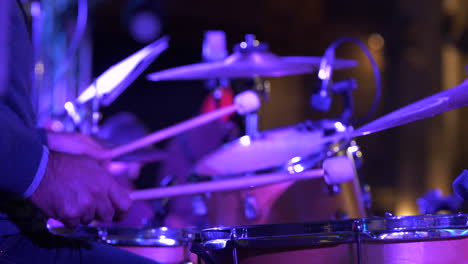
247, 65
109, 85
438, 103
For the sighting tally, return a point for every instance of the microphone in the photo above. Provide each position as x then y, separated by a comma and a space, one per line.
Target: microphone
321, 100
460, 185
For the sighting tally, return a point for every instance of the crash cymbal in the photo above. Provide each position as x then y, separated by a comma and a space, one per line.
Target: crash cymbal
438, 103
251, 59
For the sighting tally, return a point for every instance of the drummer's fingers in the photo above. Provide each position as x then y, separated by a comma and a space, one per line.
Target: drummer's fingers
104, 210
120, 215
88, 208
71, 222
88, 216
120, 198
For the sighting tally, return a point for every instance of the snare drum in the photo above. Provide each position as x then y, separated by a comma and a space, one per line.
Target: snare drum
162, 244
288, 150
425, 239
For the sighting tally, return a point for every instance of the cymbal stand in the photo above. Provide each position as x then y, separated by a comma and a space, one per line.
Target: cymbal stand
95, 114
214, 49
345, 88
251, 44
263, 88
216, 87
85, 116
251, 124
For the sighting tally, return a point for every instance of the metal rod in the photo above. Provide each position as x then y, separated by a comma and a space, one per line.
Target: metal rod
251, 125
234, 256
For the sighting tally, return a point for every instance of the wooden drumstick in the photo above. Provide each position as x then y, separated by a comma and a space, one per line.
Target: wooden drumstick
336, 170
244, 103
223, 185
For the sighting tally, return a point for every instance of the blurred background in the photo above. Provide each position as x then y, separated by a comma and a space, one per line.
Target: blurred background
420, 47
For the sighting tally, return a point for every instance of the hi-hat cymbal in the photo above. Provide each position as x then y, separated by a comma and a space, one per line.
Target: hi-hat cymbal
247, 65
438, 103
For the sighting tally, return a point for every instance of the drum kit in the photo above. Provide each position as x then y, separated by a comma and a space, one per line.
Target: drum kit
290, 194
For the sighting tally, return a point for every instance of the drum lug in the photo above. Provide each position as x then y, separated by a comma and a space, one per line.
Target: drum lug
388, 214
367, 197
161, 206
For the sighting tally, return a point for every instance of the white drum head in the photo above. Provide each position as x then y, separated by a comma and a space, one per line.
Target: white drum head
272, 149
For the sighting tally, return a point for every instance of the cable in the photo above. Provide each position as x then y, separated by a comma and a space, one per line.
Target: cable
375, 69
81, 24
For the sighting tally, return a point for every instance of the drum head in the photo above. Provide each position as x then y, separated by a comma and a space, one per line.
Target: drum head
271, 150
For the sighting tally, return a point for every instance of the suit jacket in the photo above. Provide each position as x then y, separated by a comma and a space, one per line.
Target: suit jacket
22, 147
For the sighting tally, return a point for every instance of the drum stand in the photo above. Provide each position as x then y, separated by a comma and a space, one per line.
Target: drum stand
263, 88
84, 117
356, 201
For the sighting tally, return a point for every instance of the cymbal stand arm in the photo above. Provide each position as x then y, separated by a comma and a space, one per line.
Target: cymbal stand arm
345, 88
251, 124
95, 114
263, 88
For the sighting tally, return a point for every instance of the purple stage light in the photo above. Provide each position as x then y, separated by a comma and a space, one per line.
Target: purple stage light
145, 26
143, 19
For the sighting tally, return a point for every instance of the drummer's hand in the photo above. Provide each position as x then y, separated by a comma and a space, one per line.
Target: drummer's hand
76, 189
75, 143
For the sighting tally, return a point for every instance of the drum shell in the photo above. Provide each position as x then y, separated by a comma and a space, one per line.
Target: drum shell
446, 251
163, 255
331, 254
435, 251
432, 239
309, 200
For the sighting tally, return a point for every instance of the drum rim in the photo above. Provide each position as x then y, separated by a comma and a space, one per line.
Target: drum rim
279, 235
377, 229
130, 236
415, 227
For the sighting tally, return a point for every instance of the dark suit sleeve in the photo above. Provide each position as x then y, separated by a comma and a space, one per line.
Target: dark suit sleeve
23, 158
